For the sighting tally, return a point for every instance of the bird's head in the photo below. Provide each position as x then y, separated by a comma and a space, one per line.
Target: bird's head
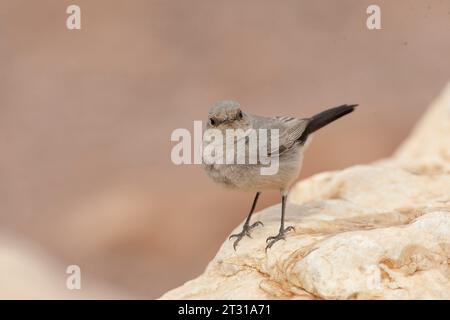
227, 114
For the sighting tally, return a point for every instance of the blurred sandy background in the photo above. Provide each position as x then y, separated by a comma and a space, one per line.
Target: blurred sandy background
86, 117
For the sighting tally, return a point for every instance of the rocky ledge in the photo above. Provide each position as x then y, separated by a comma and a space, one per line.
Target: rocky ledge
376, 231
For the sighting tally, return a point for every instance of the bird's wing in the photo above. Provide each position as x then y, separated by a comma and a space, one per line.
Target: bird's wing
290, 130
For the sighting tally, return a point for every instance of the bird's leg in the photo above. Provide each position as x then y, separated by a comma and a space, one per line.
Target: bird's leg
247, 227
282, 233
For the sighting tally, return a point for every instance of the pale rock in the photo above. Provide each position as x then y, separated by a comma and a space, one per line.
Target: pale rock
27, 271
377, 231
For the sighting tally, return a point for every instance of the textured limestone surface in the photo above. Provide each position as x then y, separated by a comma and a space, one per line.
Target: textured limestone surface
376, 231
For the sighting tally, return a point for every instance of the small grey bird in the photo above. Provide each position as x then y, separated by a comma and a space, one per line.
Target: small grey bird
294, 135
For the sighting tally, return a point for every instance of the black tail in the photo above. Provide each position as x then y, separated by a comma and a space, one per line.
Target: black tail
322, 119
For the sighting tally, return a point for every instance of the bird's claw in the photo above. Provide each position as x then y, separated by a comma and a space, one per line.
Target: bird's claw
245, 232
280, 236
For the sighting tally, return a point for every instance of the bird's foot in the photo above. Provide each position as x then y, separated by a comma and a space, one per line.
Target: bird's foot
245, 232
280, 236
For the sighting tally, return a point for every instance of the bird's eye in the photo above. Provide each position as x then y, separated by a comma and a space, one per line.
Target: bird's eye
212, 121
239, 115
